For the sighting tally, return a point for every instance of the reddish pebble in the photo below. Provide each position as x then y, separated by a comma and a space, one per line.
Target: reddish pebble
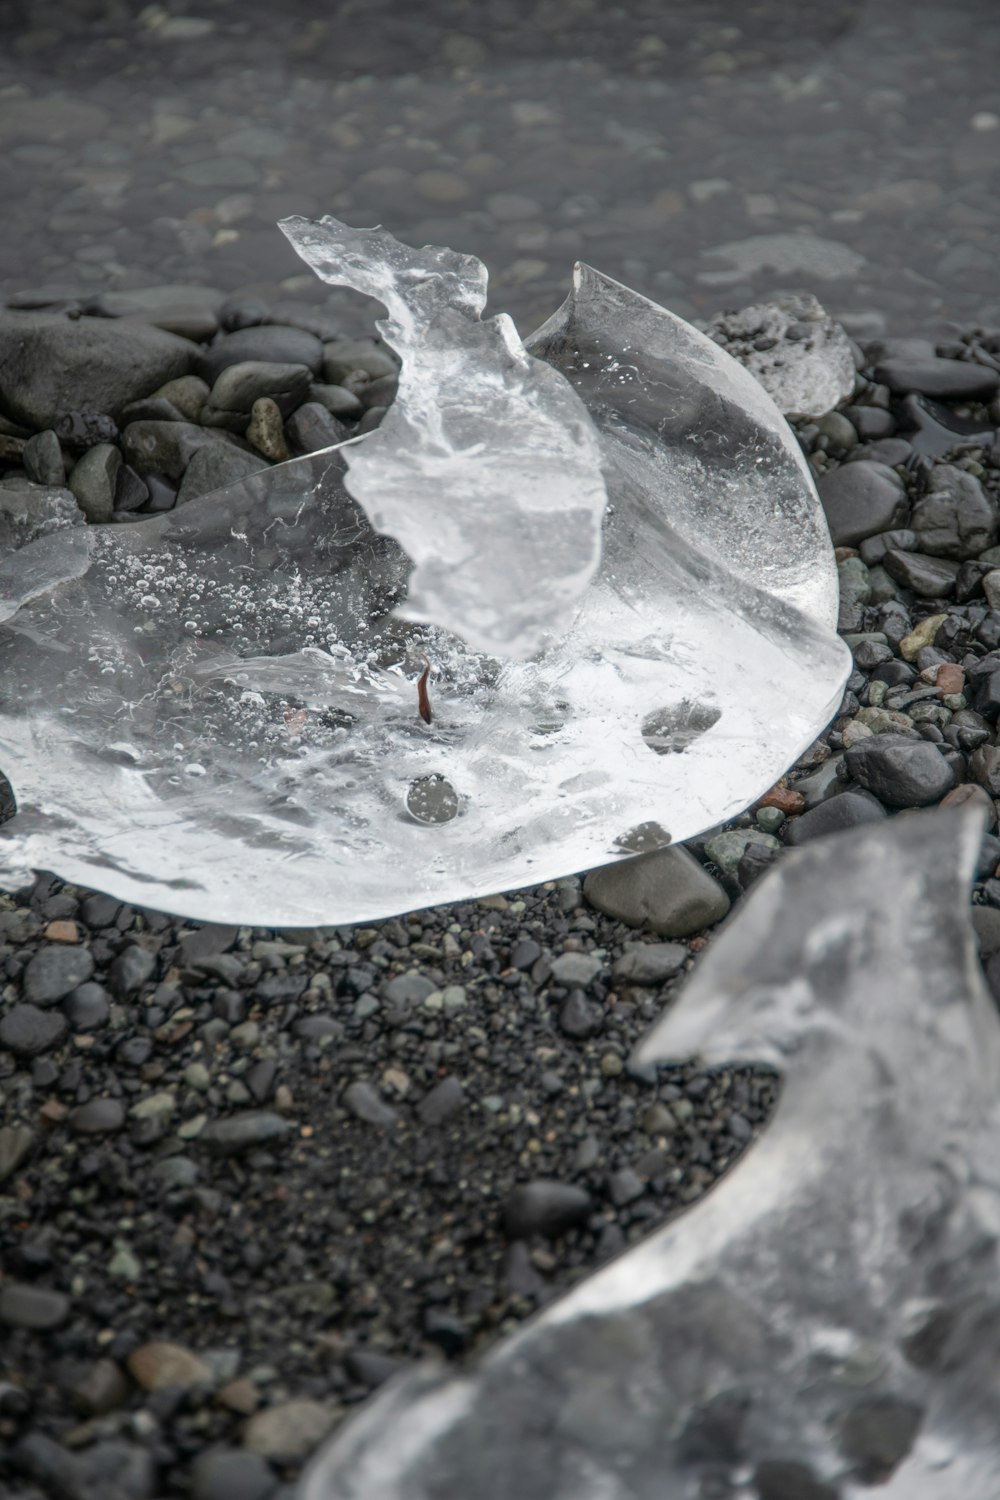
784, 799
63, 932
970, 795
240, 1395
950, 678
53, 1112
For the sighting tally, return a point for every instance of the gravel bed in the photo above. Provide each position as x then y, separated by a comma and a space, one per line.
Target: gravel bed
247, 1174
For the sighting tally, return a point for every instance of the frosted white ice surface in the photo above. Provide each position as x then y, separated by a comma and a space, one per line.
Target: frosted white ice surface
485, 469
214, 711
800, 355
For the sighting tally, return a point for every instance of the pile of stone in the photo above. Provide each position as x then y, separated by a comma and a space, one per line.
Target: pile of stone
124, 406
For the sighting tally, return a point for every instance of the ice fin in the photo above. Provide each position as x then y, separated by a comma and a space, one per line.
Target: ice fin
822, 1322
486, 468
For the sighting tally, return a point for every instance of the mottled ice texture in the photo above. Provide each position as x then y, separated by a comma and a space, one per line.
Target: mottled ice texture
823, 1324
215, 711
801, 357
485, 469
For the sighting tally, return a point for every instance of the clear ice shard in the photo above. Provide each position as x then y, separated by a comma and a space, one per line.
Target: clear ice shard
824, 1321
485, 469
216, 711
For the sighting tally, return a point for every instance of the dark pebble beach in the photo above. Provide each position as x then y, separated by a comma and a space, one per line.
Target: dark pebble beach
247, 1174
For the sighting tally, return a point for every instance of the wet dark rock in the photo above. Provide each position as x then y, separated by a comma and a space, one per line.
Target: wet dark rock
371, 1368
130, 970
366, 1103
343, 357
874, 548
575, 968
102, 1389
338, 401
35, 1307
544, 1207
954, 518
870, 422
901, 772
264, 344
846, 809
87, 1007
26, 1030
650, 963
878, 1433
524, 953
443, 1101
238, 386
579, 1016
42, 459
94, 481
889, 451
51, 364
984, 767
54, 971
929, 577
243, 1132
242, 312
232, 1474
942, 379
787, 1479
213, 467
130, 490
666, 890
448, 1332
860, 500
97, 1117
165, 449
312, 428
934, 430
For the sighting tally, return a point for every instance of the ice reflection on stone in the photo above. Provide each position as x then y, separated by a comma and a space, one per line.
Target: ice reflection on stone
215, 711
825, 1320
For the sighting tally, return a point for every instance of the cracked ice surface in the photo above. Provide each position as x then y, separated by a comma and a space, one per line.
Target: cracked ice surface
214, 711
823, 1323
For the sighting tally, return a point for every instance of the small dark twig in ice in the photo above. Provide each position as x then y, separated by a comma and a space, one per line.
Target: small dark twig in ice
423, 699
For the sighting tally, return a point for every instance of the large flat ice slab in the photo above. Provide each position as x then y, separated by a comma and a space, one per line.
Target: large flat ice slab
218, 711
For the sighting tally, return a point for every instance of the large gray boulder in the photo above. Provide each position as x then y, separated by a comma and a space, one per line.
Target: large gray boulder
51, 364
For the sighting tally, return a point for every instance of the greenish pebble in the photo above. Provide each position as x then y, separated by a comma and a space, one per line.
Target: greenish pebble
955, 701
883, 720
124, 1265
492, 1102
839, 429
188, 1130
876, 693
882, 587
991, 556
197, 1077
612, 1065
366, 1005
854, 638
453, 997
681, 1109
434, 1001
770, 818
154, 1106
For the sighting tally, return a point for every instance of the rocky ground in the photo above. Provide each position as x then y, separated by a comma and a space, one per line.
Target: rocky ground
246, 1174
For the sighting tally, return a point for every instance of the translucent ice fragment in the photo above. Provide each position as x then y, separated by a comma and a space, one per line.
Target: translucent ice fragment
485, 468
790, 344
824, 1321
218, 711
